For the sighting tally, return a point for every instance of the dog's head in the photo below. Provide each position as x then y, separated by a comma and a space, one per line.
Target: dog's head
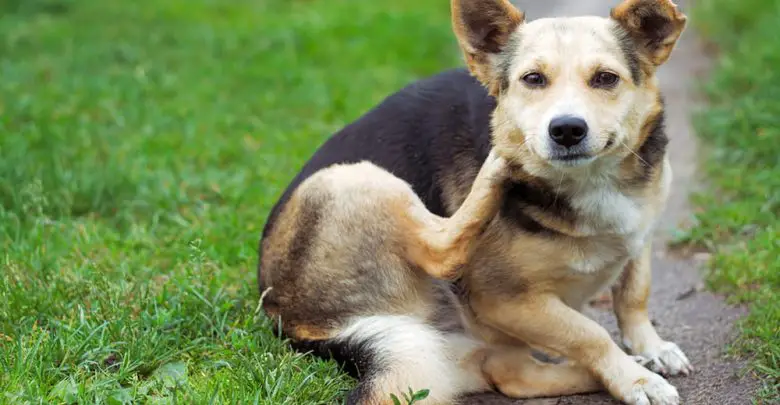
570, 91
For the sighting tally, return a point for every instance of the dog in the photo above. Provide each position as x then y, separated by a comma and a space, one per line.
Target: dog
462, 223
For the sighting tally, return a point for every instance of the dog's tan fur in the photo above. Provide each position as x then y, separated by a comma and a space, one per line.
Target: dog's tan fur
518, 290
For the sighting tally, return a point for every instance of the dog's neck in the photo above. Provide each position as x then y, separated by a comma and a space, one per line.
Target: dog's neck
603, 198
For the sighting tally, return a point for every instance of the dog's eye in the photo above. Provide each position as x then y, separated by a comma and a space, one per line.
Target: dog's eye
535, 79
604, 80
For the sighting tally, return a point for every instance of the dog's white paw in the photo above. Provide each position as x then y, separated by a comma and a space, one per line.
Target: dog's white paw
636, 385
653, 390
666, 358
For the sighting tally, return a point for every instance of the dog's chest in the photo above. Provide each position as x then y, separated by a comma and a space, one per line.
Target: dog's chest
605, 210
615, 227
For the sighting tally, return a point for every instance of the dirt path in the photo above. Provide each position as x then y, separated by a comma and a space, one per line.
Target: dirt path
700, 322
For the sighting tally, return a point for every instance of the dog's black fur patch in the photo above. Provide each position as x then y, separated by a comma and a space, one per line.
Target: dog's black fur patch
630, 52
357, 358
512, 210
505, 58
653, 149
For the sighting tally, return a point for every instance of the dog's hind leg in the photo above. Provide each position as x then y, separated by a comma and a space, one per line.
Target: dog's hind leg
441, 246
515, 373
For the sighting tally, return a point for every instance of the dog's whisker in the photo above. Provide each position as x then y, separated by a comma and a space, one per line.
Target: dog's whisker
635, 154
579, 189
558, 190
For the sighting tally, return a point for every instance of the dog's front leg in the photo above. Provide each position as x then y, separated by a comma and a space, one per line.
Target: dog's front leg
630, 296
442, 246
544, 320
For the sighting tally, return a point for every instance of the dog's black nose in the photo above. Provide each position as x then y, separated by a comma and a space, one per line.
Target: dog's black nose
567, 130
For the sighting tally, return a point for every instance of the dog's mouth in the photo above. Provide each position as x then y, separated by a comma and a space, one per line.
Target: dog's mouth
578, 156
572, 159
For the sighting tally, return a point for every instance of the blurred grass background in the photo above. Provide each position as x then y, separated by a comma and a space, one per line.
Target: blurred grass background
739, 216
142, 144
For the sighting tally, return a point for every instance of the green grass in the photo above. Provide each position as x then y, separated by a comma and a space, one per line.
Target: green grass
739, 219
142, 144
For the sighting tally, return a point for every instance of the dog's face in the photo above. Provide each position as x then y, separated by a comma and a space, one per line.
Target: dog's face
570, 91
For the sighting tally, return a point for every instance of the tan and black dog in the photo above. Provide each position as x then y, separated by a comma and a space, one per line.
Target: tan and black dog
467, 218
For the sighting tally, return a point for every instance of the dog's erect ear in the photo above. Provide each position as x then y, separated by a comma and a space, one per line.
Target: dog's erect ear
483, 28
654, 25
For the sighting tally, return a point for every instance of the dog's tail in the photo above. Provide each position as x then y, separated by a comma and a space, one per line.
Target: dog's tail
392, 354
